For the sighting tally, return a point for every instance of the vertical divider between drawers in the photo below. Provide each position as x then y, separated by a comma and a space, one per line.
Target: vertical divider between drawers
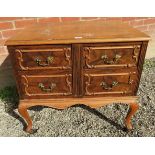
77, 70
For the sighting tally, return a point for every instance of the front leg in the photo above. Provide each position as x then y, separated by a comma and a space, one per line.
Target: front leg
22, 109
133, 108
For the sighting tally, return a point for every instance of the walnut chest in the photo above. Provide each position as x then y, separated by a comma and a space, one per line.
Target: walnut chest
92, 63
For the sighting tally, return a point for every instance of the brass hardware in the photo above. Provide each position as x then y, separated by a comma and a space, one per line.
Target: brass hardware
46, 63
51, 87
108, 87
115, 59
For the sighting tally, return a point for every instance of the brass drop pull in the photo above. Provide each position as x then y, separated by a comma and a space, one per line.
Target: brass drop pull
50, 89
108, 87
107, 61
46, 63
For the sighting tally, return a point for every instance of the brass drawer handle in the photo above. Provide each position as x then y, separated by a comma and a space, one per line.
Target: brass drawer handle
115, 59
51, 87
108, 87
46, 63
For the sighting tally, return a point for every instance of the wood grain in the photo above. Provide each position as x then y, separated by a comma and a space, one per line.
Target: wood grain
62, 85
100, 56
102, 84
77, 32
26, 57
63, 103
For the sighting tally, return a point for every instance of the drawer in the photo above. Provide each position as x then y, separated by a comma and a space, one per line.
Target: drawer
107, 84
43, 57
110, 55
46, 86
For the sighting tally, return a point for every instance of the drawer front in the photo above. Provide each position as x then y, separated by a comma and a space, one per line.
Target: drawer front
113, 55
56, 57
46, 86
109, 84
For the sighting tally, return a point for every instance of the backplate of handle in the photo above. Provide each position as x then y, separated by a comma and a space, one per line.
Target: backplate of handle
49, 89
106, 60
45, 63
108, 86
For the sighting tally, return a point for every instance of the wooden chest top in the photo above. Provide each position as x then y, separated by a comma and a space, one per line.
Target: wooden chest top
77, 32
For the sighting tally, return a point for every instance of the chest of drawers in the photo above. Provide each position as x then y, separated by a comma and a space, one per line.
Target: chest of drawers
91, 63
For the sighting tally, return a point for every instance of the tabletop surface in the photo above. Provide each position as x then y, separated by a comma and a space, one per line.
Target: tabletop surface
77, 32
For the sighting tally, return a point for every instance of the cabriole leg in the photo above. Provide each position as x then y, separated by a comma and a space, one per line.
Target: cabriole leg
24, 113
133, 108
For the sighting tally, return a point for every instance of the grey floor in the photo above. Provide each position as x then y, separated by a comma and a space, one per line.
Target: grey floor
82, 121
